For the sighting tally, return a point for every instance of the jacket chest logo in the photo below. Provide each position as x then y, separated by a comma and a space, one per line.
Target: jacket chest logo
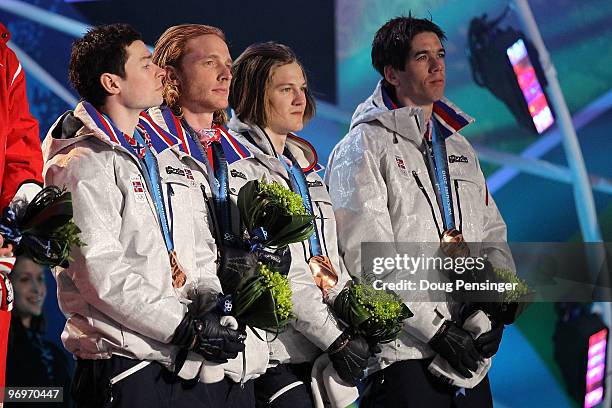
457, 159
174, 170
236, 173
315, 183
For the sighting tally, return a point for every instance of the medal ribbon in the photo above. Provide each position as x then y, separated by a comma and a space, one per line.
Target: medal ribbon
141, 145
216, 164
299, 185
438, 155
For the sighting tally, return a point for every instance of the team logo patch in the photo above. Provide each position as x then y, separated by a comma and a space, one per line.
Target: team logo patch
236, 173
401, 165
457, 159
315, 183
139, 189
174, 170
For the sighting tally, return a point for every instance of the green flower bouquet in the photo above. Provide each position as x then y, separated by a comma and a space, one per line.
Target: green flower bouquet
274, 215
375, 314
253, 271
263, 300
43, 228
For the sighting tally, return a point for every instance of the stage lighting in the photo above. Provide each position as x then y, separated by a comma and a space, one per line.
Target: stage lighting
580, 347
506, 63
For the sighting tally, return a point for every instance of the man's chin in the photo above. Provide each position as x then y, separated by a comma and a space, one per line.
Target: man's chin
216, 104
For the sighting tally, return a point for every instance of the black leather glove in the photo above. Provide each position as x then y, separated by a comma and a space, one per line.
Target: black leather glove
488, 343
457, 347
239, 262
349, 357
236, 265
280, 259
206, 336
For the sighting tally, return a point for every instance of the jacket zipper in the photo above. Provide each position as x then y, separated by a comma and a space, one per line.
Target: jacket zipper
213, 216
460, 226
216, 233
170, 213
433, 213
322, 234
243, 368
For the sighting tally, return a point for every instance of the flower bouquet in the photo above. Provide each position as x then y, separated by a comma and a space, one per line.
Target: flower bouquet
375, 314
263, 300
43, 229
274, 215
257, 293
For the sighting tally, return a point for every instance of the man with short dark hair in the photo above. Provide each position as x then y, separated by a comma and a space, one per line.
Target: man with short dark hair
389, 182
135, 295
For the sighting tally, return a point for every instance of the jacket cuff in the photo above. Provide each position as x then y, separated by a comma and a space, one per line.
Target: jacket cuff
27, 191
327, 334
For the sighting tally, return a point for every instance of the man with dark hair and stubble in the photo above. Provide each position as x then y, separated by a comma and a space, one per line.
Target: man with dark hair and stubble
132, 292
389, 182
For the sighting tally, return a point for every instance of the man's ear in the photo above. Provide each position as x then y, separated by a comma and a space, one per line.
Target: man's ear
109, 83
171, 75
391, 75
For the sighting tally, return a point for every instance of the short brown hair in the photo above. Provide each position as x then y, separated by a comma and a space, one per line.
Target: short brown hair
169, 51
251, 76
103, 49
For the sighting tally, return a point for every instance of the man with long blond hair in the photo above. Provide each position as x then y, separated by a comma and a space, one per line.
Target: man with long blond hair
196, 89
197, 63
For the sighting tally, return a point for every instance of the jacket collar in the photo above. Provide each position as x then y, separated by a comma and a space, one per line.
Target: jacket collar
234, 150
302, 150
105, 130
401, 119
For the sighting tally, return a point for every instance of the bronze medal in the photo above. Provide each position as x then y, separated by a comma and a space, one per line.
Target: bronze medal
178, 275
453, 245
323, 273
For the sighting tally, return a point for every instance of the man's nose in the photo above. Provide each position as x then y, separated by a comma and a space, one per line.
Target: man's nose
226, 72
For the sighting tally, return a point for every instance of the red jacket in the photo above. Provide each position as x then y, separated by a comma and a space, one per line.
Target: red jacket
20, 155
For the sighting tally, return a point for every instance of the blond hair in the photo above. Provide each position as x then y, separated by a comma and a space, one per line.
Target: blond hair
169, 51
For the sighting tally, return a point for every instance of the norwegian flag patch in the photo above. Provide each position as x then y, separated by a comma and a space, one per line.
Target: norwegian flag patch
401, 165
189, 176
139, 189
188, 173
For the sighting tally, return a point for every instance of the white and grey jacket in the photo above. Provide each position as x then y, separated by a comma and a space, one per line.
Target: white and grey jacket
254, 361
381, 192
117, 293
316, 327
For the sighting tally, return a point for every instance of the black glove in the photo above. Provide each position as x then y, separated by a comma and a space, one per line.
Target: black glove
456, 346
280, 259
238, 262
349, 357
206, 336
488, 343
